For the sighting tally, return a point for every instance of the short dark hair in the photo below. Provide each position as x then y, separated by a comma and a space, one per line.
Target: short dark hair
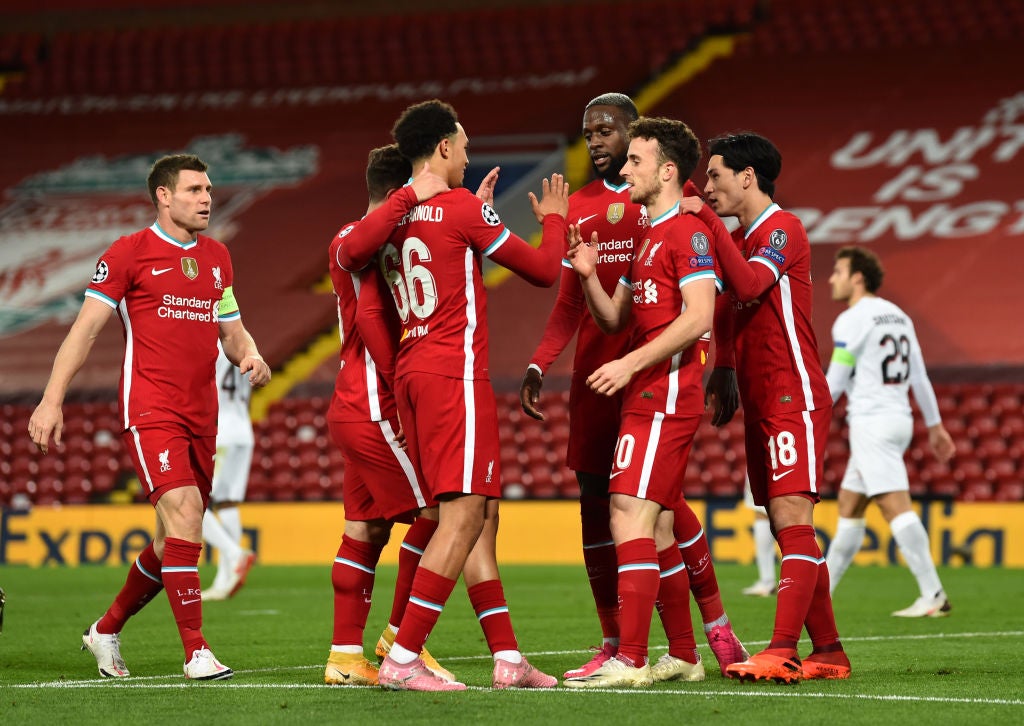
676, 142
866, 263
166, 169
422, 126
745, 148
619, 100
386, 170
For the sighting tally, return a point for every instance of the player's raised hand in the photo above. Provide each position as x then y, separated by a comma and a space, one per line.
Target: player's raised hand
47, 419
529, 393
582, 255
485, 191
427, 184
554, 198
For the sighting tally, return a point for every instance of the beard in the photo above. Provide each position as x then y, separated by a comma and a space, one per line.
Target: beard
611, 173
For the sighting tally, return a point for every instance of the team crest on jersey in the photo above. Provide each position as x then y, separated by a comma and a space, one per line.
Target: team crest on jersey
700, 244
101, 272
777, 239
165, 460
616, 212
217, 282
344, 232
490, 215
190, 267
650, 257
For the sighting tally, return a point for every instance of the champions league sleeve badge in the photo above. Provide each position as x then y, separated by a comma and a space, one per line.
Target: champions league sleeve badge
490, 215
101, 272
777, 239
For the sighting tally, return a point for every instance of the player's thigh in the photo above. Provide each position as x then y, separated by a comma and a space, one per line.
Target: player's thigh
456, 434
651, 455
381, 480
788, 449
877, 446
231, 473
168, 456
593, 428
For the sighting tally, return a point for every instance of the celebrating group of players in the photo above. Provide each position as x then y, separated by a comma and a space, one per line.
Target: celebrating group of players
650, 277
648, 270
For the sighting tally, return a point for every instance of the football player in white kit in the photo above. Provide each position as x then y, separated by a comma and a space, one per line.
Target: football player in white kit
222, 524
767, 583
875, 361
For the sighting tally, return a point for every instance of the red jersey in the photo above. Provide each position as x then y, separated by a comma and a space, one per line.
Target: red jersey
360, 393
605, 209
171, 298
432, 262
676, 251
778, 369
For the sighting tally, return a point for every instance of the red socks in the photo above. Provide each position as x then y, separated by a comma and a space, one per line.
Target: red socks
798, 580
409, 555
488, 599
352, 576
694, 547
639, 577
600, 559
674, 605
180, 574
430, 592
142, 585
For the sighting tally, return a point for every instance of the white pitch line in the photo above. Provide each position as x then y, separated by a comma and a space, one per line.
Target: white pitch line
140, 682
782, 692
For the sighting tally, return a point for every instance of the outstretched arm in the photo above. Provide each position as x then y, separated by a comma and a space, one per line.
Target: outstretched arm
538, 266
48, 418
610, 313
362, 243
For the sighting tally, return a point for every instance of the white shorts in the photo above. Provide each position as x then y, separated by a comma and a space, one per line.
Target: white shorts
748, 498
877, 446
231, 473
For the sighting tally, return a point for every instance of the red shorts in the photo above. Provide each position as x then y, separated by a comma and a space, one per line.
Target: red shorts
651, 455
381, 481
593, 428
451, 426
168, 456
785, 454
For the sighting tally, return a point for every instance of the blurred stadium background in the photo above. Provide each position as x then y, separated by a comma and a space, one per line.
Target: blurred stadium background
901, 124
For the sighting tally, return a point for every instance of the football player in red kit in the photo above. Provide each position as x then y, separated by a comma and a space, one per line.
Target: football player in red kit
669, 294
432, 264
172, 288
766, 269
604, 207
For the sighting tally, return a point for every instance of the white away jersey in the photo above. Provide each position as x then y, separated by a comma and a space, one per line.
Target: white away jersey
877, 339
234, 426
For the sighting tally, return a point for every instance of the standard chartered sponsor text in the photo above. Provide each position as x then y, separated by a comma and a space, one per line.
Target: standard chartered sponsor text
186, 308
616, 250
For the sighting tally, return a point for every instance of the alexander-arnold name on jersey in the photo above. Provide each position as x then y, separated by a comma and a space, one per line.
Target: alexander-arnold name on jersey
188, 308
423, 213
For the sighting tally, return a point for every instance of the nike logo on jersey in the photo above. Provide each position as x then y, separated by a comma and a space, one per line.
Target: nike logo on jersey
189, 602
160, 272
776, 477
616, 473
584, 219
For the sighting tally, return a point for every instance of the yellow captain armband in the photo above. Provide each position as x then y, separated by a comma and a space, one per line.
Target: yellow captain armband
228, 305
844, 357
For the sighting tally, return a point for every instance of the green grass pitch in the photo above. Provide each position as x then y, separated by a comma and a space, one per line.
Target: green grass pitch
276, 632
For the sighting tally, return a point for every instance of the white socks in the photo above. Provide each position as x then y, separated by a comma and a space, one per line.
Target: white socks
845, 546
912, 539
764, 552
